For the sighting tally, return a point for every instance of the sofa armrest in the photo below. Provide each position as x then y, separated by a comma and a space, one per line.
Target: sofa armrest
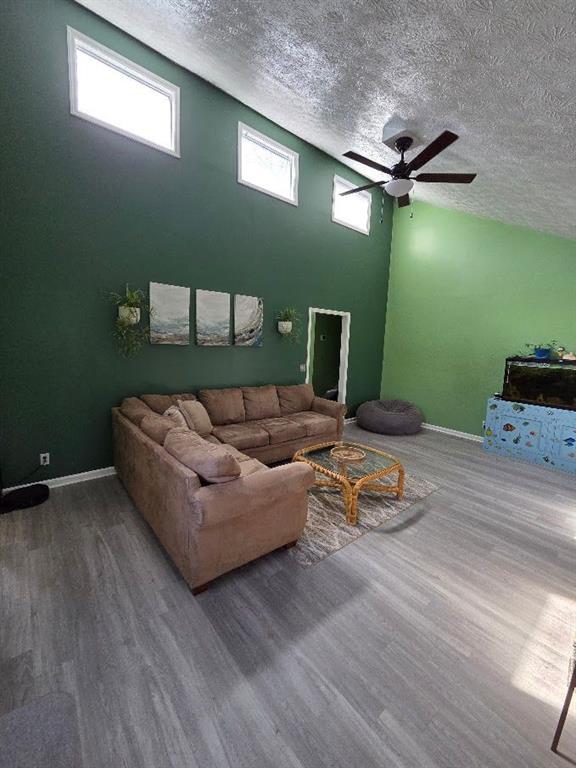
252, 494
329, 407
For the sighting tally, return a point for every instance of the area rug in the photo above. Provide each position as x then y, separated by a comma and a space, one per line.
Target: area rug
327, 531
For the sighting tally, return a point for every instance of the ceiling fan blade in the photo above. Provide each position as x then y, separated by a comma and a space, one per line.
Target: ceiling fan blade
361, 189
366, 161
451, 178
403, 201
433, 149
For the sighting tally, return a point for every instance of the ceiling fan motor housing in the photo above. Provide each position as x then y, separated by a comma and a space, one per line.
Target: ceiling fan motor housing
403, 143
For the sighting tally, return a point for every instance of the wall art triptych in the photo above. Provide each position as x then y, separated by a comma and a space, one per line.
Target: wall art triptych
170, 317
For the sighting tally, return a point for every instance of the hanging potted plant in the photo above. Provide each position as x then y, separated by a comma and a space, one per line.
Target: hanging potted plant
289, 323
130, 335
130, 304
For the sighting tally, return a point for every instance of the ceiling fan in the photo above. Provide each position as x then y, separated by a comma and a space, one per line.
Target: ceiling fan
402, 182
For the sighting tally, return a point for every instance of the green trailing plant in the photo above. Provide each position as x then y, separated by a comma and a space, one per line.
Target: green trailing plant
134, 298
129, 338
130, 335
290, 315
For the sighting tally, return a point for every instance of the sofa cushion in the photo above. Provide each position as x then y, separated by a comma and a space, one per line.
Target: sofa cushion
134, 410
261, 402
224, 406
161, 403
157, 427
238, 455
249, 466
248, 435
196, 416
315, 423
282, 430
176, 415
296, 398
212, 462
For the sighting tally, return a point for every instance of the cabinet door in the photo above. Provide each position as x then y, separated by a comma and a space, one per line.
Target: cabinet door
564, 441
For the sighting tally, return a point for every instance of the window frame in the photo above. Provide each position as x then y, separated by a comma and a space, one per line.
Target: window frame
293, 156
78, 41
365, 193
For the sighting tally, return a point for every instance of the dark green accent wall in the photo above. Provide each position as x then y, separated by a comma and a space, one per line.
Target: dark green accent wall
84, 210
465, 292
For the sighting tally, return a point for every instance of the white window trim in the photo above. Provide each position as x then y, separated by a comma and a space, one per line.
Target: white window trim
273, 145
107, 55
365, 193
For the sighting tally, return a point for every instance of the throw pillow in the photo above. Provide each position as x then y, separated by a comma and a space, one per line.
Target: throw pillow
176, 415
196, 416
211, 462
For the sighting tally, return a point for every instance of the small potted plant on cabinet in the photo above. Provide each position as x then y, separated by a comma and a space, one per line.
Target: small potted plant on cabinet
543, 351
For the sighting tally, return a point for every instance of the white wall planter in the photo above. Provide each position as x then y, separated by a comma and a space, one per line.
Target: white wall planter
284, 327
130, 315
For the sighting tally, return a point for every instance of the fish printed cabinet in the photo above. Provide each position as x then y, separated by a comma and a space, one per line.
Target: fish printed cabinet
535, 433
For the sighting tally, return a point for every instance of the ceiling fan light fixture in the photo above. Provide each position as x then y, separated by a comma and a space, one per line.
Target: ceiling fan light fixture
398, 187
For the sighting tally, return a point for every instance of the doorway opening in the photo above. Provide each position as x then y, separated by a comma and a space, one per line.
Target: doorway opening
327, 361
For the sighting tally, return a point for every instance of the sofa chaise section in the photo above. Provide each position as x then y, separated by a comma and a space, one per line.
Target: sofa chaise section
208, 529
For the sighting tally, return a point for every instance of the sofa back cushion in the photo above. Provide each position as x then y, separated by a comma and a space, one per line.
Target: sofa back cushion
261, 402
157, 427
295, 398
134, 409
196, 416
224, 406
161, 403
212, 462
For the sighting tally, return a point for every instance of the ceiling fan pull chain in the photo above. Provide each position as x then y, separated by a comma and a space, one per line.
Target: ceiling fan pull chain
382, 208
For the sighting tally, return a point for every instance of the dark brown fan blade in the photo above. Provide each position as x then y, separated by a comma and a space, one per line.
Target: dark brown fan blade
433, 149
361, 189
361, 159
451, 178
403, 201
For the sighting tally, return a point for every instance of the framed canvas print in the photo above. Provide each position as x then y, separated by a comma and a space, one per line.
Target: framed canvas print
212, 318
248, 321
169, 314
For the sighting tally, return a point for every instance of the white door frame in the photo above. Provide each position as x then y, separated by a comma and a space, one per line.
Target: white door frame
344, 347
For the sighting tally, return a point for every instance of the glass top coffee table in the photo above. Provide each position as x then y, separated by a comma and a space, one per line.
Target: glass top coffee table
353, 468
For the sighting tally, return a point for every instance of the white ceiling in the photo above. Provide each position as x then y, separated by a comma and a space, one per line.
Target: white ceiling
500, 73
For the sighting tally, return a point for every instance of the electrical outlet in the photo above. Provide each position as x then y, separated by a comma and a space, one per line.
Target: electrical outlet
302, 367
44, 459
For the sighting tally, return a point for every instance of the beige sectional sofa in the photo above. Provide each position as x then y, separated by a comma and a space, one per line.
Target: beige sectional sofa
195, 468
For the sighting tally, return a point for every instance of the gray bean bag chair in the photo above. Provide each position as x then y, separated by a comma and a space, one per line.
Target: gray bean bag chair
389, 417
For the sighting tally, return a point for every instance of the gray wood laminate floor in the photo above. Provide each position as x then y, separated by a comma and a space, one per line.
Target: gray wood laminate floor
439, 641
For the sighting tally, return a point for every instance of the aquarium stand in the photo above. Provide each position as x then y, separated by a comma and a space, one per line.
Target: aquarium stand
537, 433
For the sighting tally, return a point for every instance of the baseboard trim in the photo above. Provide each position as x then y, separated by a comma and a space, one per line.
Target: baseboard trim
351, 420
453, 432
80, 477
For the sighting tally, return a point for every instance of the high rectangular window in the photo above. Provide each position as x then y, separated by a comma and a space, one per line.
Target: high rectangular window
109, 90
353, 210
267, 166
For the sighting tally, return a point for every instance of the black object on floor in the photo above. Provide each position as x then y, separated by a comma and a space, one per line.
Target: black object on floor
22, 498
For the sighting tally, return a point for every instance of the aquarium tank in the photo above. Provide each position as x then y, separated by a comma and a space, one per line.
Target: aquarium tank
540, 382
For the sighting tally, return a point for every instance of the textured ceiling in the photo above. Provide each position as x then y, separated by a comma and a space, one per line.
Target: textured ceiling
500, 73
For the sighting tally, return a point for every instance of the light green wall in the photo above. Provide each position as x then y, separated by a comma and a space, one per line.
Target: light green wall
464, 293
